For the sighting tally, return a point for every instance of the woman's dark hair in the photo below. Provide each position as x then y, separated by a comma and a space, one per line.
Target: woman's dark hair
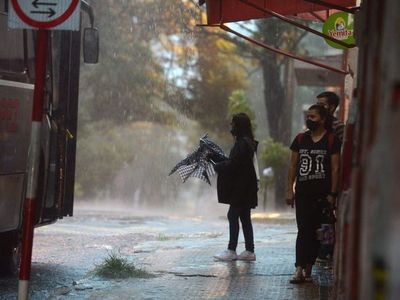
242, 125
324, 114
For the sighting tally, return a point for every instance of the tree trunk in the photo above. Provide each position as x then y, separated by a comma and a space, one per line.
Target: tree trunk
276, 103
274, 97
279, 102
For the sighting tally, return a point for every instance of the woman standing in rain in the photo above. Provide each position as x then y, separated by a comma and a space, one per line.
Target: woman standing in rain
315, 166
237, 186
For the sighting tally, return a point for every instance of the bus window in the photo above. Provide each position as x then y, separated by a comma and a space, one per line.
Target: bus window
12, 56
18, 57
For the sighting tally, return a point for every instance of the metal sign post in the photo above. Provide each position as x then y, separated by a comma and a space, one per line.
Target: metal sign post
43, 15
33, 166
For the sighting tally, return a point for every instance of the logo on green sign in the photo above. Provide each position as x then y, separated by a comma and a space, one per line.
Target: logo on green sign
341, 27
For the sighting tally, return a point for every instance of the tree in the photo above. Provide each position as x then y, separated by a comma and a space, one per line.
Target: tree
238, 103
125, 161
127, 83
154, 66
218, 76
279, 104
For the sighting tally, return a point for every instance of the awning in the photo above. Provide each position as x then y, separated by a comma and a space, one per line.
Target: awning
224, 11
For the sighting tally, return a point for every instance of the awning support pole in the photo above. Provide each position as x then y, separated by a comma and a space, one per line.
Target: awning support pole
287, 20
283, 52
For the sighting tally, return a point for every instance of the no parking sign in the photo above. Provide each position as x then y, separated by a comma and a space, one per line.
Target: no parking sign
44, 14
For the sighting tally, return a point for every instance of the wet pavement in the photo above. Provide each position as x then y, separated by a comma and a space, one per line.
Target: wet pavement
177, 251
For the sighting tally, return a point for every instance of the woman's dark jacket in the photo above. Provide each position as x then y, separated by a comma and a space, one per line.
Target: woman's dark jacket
237, 180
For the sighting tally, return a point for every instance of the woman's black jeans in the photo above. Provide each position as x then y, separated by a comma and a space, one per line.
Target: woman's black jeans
234, 214
308, 216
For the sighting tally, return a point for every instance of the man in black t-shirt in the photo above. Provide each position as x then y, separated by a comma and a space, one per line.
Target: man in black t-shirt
315, 167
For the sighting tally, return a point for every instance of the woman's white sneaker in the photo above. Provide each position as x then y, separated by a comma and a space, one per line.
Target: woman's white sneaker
227, 255
247, 255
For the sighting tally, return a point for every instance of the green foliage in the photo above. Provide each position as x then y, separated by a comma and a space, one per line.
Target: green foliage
154, 67
154, 63
116, 266
238, 103
219, 75
125, 160
163, 237
101, 153
275, 155
129, 82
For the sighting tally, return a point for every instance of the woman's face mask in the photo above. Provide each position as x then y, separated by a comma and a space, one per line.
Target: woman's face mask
233, 131
312, 125
313, 121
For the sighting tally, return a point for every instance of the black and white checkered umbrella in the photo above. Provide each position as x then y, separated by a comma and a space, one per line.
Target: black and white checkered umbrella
200, 162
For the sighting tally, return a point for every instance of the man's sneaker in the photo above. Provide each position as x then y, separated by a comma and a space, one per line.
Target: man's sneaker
227, 255
247, 256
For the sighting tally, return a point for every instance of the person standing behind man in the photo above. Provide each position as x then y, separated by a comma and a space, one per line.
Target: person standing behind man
314, 165
331, 101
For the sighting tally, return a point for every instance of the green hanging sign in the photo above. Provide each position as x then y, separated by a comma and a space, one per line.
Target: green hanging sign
341, 27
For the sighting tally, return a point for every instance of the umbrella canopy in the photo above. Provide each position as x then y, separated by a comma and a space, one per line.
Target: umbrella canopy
200, 162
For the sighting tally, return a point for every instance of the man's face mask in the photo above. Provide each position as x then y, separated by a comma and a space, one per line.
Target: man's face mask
312, 125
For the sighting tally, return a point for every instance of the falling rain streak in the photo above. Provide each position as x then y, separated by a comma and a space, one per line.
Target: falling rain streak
161, 83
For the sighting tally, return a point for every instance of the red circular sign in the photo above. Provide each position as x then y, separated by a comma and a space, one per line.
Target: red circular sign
40, 24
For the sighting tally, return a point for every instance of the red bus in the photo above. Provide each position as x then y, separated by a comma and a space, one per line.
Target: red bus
59, 126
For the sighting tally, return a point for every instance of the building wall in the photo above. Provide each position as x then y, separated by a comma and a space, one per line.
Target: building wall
372, 250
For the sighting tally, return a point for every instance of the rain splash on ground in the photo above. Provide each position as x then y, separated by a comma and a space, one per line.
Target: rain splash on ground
176, 250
